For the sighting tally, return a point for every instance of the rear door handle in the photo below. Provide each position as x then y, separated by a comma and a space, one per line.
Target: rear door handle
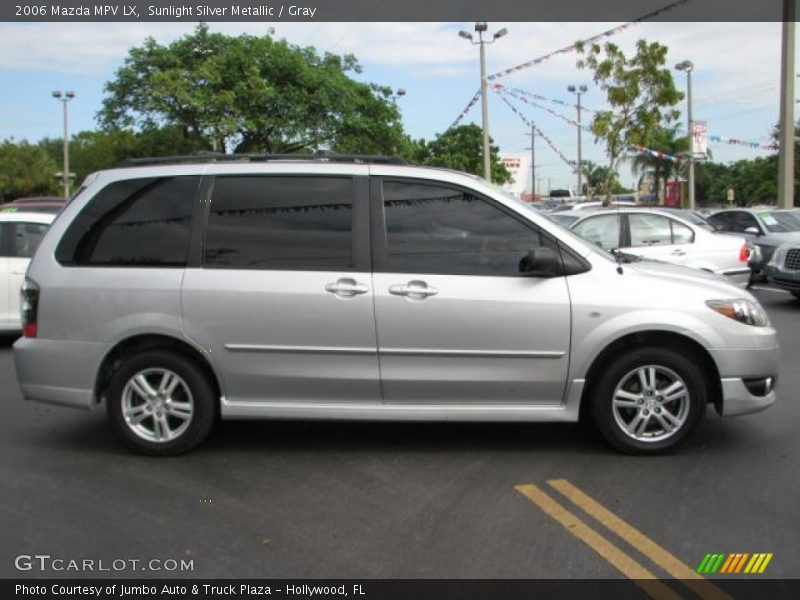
678, 252
346, 288
416, 290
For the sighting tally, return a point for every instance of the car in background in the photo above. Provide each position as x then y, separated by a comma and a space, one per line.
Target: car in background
783, 268
593, 204
668, 237
565, 218
765, 227
20, 234
43, 204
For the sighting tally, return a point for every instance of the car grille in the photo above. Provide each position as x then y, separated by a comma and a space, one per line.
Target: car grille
793, 259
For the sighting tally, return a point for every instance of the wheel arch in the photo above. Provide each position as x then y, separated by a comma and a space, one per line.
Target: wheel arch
143, 342
657, 338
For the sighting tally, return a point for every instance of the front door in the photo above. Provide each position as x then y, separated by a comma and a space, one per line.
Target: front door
283, 299
458, 323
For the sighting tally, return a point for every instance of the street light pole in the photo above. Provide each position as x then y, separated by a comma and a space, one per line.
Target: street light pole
578, 91
64, 98
688, 66
480, 29
786, 127
533, 161
395, 95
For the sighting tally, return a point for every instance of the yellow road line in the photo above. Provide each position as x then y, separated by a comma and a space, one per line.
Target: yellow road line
659, 555
622, 562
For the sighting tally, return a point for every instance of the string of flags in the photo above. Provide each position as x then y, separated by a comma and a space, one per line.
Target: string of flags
536, 130
466, 110
659, 154
735, 142
511, 93
595, 38
500, 86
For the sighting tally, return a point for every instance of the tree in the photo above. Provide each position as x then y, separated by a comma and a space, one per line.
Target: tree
597, 178
640, 92
251, 94
461, 148
25, 170
666, 140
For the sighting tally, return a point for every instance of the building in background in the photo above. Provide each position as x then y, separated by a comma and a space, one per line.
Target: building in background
519, 165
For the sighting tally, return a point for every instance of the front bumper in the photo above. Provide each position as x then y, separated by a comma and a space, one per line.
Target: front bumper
787, 279
737, 399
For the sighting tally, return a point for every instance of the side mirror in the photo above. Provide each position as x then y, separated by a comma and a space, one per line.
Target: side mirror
753, 230
541, 262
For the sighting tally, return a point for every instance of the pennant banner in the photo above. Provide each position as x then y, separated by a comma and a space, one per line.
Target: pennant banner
536, 130
735, 142
500, 86
511, 93
466, 110
605, 34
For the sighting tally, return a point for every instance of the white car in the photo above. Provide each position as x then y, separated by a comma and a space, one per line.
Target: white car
668, 236
20, 234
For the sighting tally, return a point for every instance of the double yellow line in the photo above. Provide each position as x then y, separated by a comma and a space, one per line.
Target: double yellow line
624, 563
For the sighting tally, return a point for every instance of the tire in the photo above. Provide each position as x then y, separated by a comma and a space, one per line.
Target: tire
161, 425
619, 405
796, 295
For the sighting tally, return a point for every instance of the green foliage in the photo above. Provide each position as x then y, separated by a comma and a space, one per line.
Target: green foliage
639, 90
753, 181
251, 94
601, 180
26, 170
459, 148
666, 140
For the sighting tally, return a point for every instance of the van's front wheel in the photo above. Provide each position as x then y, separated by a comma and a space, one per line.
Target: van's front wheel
160, 403
649, 400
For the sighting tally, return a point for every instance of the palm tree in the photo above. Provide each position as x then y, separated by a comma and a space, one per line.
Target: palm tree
666, 140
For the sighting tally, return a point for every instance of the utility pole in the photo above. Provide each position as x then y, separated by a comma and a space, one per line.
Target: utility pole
578, 91
786, 127
64, 98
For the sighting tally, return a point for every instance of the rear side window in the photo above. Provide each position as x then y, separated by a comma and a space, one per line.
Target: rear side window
136, 222
20, 240
281, 223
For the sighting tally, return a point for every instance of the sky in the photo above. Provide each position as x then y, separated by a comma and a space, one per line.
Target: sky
736, 80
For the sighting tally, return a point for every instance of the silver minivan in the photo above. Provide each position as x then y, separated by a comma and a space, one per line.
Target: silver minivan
347, 288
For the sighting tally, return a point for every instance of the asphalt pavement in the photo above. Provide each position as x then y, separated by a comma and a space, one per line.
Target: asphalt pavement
404, 500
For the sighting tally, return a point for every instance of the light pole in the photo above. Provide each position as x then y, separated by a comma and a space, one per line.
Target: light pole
688, 66
578, 91
64, 98
480, 29
786, 128
533, 161
397, 94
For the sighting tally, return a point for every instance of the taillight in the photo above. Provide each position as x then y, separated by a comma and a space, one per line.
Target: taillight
744, 253
29, 307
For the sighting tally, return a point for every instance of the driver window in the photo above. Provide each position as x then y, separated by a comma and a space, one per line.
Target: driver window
449, 231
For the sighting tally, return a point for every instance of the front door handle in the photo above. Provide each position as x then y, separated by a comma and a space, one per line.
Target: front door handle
346, 288
678, 252
416, 290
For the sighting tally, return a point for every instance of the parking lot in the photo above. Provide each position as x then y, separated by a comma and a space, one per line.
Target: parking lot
402, 500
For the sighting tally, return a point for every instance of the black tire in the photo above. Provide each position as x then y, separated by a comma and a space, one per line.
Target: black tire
796, 295
623, 370
193, 389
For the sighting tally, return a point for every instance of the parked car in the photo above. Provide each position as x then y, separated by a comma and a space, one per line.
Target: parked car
593, 205
358, 288
783, 268
765, 227
564, 218
47, 204
667, 236
20, 234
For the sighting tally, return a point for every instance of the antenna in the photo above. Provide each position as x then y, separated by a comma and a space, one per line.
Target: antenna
618, 253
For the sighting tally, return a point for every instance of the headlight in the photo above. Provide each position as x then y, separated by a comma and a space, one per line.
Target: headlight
744, 311
778, 256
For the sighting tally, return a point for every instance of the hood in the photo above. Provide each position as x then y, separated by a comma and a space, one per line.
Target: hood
776, 239
663, 271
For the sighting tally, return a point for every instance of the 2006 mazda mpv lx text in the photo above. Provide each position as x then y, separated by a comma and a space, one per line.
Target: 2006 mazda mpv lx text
358, 288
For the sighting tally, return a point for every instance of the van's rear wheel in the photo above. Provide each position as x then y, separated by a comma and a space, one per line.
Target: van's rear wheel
649, 400
160, 403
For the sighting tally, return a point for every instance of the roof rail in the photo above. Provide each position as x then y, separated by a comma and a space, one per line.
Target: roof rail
211, 157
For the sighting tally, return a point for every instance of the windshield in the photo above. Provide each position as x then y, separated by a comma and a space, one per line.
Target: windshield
780, 221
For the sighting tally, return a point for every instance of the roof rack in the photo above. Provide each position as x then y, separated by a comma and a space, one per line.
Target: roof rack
211, 157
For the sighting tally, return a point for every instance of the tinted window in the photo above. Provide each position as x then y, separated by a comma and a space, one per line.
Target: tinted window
437, 229
649, 230
722, 221
780, 221
21, 239
741, 221
603, 231
283, 223
137, 222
